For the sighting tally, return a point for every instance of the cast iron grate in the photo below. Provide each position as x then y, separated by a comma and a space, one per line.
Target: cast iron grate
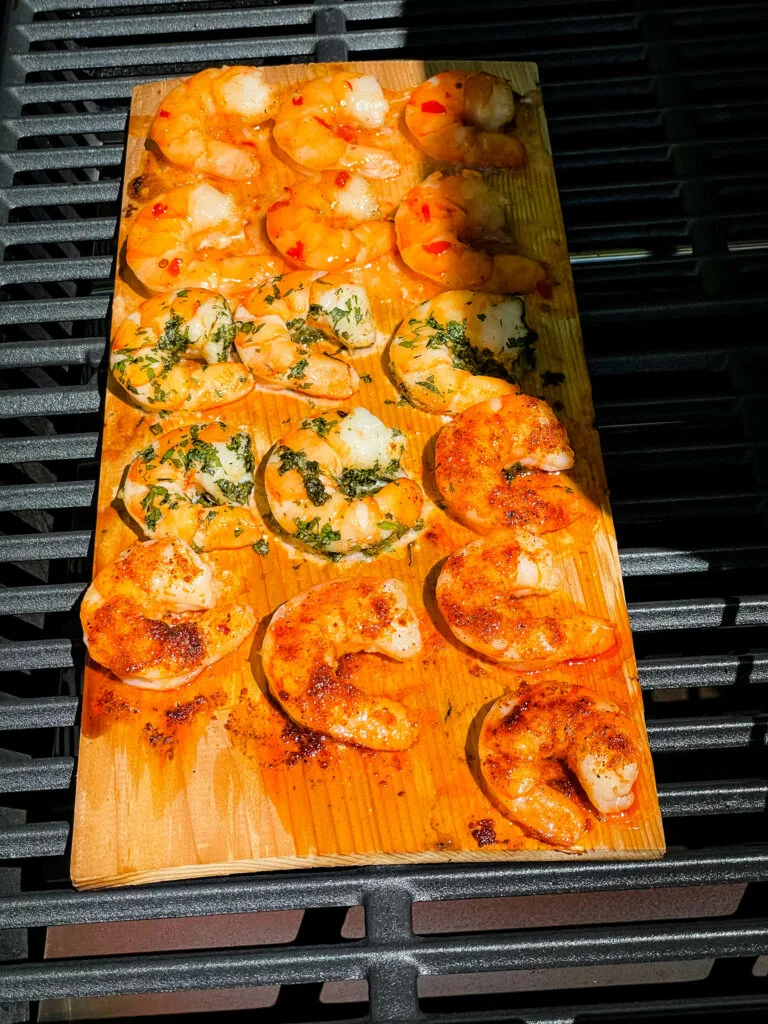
657, 117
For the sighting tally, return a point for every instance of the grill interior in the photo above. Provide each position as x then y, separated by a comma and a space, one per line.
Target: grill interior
658, 126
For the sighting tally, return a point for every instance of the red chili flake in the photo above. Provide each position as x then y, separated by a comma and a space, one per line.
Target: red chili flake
342, 178
278, 205
245, 142
433, 107
297, 101
544, 288
159, 209
322, 122
296, 252
348, 84
425, 213
435, 248
174, 267
164, 113
348, 134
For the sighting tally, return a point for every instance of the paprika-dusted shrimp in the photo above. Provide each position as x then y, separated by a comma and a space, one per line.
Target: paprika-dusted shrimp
337, 123
458, 349
175, 352
157, 616
195, 236
205, 123
304, 657
196, 483
336, 484
484, 592
458, 116
451, 230
328, 221
493, 464
526, 738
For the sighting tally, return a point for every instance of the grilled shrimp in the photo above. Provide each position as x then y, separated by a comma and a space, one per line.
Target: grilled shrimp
336, 484
458, 116
451, 230
493, 464
458, 349
205, 124
294, 323
196, 236
328, 221
304, 657
482, 591
527, 737
157, 616
337, 123
195, 483
175, 352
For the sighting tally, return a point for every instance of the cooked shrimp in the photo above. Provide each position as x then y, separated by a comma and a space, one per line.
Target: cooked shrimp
337, 123
293, 324
525, 736
175, 352
156, 617
482, 591
458, 349
452, 231
205, 124
492, 466
458, 116
328, 221
305, 659
196, 236
336, 483
196, 483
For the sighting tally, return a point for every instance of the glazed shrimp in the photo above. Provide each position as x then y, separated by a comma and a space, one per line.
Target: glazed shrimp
205, 124
304, 659
458, 349
195, 483
329, 221
337, 123
196, 236
458, 116
175, 352
157, 617
294, 322
525, 737
336, 483
451, 230
493, 464
482, 591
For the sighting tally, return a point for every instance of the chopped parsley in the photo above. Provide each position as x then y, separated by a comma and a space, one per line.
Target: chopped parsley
308, 469
319, 425
297, 371
510, 473
302, 334
309, 532
366, 378
261, 547
237, 494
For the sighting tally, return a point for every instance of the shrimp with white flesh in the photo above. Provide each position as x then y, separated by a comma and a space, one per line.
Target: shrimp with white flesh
196, 483
496, 466
336, 484
484, 592
328, 221
305, 658
458, 116
176, 352
205, 124
157, 616
337, 123
452, 230
458, 349
525, 741
197, 236
294, 326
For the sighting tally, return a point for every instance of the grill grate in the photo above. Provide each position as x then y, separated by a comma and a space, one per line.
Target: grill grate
657, 118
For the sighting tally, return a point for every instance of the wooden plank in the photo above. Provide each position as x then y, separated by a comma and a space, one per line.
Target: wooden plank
205, 780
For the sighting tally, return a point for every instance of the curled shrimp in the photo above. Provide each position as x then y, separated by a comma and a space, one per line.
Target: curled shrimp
336, 483
294, 322
157, 617
458, 349
482, 591
328, 221
337, 123
451, 230
205, 123
493, 464
525, 741
195, 483
196, 236
175, 352
305, 659
458, 116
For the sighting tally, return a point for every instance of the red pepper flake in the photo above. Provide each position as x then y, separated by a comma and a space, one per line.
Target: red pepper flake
433, 107
164, 113
342, 178
245, 142
348, 84
278, 205
297, 101
174, 267
159, 209
435, 248
544, 288
296, 252
348, 134
425, 213
322, 122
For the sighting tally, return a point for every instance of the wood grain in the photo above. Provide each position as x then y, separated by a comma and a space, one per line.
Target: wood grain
208, 780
